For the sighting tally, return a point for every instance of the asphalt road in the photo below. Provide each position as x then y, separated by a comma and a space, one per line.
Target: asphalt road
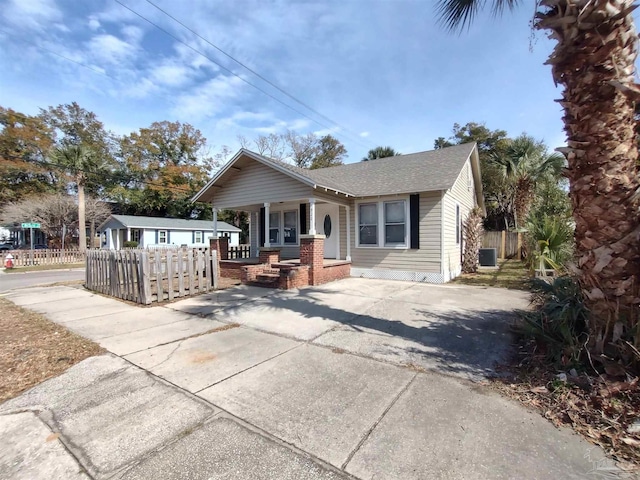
9, 281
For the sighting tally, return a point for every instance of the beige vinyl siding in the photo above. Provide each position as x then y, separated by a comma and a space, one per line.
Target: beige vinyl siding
256, 183
424, 259
462, 193
330, 197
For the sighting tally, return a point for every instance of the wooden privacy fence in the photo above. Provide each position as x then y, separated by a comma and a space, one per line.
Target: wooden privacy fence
241, 251
146, 276
506, 243
49, 256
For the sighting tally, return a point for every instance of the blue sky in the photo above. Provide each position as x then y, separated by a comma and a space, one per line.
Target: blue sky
384, 71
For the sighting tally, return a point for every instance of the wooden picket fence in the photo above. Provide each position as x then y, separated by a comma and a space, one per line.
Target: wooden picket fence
147, 276
49, 256
505, 243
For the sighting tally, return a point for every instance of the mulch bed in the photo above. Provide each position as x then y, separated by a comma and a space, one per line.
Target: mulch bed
33, 349
602, 408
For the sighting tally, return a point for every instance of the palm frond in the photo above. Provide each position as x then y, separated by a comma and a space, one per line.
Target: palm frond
458, 14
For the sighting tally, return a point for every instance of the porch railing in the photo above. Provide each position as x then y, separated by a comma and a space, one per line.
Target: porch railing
241, 251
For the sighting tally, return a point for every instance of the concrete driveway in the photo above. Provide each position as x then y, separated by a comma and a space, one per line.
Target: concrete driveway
354, 379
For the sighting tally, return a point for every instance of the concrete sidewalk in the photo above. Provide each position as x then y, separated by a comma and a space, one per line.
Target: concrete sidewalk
356, 379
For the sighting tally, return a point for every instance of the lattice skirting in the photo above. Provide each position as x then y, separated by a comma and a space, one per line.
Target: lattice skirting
407, 276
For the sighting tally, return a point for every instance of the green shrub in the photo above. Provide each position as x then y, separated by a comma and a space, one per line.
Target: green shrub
559, 322
550, 242
130, 244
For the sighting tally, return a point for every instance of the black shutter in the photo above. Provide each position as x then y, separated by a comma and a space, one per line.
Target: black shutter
262, 225
414, 220
303, 219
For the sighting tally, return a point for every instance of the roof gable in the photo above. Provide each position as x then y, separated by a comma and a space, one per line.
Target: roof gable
230, 169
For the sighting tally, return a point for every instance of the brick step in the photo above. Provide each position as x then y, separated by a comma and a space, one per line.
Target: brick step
268, 277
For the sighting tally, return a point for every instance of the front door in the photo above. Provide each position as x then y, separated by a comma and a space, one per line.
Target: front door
327, 225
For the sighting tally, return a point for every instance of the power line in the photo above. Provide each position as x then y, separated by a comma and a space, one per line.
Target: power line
261, 77
230, 71
76, 62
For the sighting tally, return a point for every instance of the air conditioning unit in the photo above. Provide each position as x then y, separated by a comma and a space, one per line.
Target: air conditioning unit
488, 257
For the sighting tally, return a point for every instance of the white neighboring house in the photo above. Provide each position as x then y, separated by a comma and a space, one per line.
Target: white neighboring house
5, 234
159, 232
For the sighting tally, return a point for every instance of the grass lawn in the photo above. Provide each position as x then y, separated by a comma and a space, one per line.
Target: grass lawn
33, 349
40, 268
509, 274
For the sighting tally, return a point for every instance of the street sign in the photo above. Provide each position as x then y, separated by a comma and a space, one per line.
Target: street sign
30, 225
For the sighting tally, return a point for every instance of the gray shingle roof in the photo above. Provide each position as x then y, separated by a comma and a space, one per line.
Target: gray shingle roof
428, 171
171, 223
416, 172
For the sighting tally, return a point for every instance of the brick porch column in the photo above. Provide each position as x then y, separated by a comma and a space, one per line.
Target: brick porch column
269, 255
312, 254
223, 245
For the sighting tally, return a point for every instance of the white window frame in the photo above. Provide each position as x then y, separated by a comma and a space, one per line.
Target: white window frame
166, 237
281, 227
381, 224
136, 232
297, 214
198, 236
367, 245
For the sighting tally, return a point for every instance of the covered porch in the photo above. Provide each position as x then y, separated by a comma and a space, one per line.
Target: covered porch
283, 225
293, 243
294, 223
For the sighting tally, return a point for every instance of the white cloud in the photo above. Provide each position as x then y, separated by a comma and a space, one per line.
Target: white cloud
138, 89
364, 134
172, 75
110, 49
327, 131
32, 14
261, 122
94, 23
115, 13
193, 59
208, 98
132, 33
299, 124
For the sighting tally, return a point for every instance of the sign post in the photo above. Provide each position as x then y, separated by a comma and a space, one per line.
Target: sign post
31, 226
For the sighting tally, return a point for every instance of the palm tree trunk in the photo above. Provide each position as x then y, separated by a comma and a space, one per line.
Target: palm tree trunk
523, 200
595, 62
82, 224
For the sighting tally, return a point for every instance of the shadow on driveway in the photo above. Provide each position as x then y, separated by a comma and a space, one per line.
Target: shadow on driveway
458, 341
